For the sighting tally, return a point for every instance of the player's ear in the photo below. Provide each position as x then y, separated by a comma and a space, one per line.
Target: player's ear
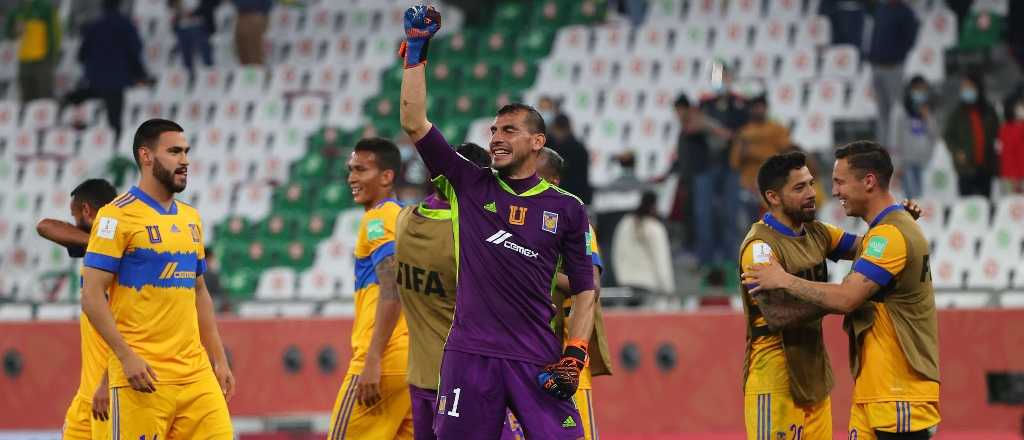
387, 177
145, 159
539, 140
772, 197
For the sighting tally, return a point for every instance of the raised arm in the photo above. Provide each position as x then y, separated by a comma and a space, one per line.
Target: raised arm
421, 23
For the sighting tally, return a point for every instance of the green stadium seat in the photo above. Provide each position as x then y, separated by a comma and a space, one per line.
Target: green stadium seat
311, 167
334, 196
550, 14
279, 227
496, 47
468, 106
293, 197
510, 15
588, 12
234, 227
458, 48
319, 225
241, 284
481, 78
454, 130
518, 76
535, 43
442, 78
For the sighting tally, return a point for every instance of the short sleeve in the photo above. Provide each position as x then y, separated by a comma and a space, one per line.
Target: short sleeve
883, 254
378, 232
198, 238
593, 249
108, 240
756, 252
579, 263
840, 242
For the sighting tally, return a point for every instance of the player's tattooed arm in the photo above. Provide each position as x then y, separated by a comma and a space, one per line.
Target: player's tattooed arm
783, 310
839, 298
389, 308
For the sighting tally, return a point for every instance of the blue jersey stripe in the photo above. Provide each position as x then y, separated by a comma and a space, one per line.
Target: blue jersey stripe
146, 267
383, 251
365, 273
102, 262
873, 272
201, 267
596, 259
846, 244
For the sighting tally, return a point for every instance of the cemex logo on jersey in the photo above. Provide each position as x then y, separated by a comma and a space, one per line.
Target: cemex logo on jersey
501, 238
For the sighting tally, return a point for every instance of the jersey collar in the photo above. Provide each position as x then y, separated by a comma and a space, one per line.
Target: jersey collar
541, 186
884, 213
389, 199
141, 195
775, 224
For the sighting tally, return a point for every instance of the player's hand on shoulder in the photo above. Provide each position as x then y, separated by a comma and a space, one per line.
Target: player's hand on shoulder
764, 276
912, 207
226, 379
140, 375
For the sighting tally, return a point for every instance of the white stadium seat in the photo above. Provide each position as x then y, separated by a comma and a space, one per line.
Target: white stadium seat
962, 300
611, 41
730, 39
841, 62
58, 312
799, 64
1012, 300
814, 131
989, 272
276, 283
744, 11
970, 215
705, 11
947, 270
772, 35
813, 32
571, 43
1009, 211
928, 61
15, 312
40, 114
827, 96
257, 310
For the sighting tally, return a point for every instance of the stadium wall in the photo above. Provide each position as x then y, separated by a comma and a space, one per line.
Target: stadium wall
686, 378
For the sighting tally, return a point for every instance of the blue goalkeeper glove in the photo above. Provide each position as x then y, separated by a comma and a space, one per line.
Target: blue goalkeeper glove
561, 379
421, 23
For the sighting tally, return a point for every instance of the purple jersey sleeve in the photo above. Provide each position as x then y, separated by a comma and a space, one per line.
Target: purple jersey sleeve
579, 265
442, 160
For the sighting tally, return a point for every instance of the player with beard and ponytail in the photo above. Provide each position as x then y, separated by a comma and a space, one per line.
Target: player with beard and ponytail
787, 378
143, 290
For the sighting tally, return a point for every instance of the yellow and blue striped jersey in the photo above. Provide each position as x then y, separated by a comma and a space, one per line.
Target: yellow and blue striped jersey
376, 242
155, 256
886, 374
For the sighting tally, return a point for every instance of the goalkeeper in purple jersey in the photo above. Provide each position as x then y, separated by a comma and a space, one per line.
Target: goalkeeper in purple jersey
512, 232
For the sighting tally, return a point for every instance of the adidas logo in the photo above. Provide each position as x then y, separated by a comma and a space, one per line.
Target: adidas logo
174, 228
491, 207
569, 422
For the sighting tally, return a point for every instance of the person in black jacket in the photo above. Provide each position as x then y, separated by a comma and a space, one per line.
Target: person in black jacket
111, 55
576, 178
193, 23
894, 35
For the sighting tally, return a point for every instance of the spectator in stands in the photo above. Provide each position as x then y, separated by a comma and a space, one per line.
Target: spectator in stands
641, 256
548, 109
716, 184
627, 180
576, 178
193, 23
893, 36
1015, 31
250, 28
36, 25
758, 140
111, 54
970, 134
913, 133
847, 19
1011, 137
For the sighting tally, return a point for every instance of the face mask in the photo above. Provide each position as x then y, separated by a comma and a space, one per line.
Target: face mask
548, 116
968, 96
1019, 111
918, 97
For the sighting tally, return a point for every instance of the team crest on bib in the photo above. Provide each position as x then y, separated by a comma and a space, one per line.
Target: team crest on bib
550, 222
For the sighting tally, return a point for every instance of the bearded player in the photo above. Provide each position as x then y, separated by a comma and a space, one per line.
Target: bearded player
88, 415
169, 376
374, 401
512, 231
888, 300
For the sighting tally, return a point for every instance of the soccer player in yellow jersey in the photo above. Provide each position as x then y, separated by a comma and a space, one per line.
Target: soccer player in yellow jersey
146, 254
374, 399
888, 300
87, 416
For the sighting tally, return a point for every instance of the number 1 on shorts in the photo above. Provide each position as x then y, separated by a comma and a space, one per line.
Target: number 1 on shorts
454, 412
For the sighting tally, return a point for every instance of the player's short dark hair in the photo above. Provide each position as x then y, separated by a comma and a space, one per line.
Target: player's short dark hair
94, 192
148, 133
868, 157
475, 153
774, 172
384, 151
534, 121
552, 162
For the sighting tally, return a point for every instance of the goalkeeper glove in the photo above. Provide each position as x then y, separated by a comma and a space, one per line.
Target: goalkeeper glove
561, 379
421, 23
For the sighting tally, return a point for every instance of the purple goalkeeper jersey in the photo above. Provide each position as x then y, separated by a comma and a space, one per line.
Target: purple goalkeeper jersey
510, 238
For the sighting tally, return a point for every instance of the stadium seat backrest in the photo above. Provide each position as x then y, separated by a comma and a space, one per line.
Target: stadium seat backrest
1012, 300
785, 9
8, 116
276, 283
970, 213
785, 99
927, 60
247, 82
211, 83
947, 270
828, 95
939, 27
317, 284
321, 21
1010, 212
307, 112
664, 11
842, 61
346, 111
283, 22
621, 103
57, 312
758, 64
172, 84
705, 11
598, 71
8, 59
607, 136
269, 113
85, 113
744, 11
863, 103
572, 43
346, 228
799, 64
772, 35
257, 310
1003, 241
59, 142
814, 31
652, 40
611, 40
730, 39
814, 131
989, 272
286, 78
214, 203
254, 200
40, 114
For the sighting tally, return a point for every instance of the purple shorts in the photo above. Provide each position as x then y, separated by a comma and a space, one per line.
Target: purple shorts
424, 404
476, 391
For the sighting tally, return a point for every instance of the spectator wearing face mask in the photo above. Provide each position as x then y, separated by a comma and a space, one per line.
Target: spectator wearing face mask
1011, 137
970, 135
913, 134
